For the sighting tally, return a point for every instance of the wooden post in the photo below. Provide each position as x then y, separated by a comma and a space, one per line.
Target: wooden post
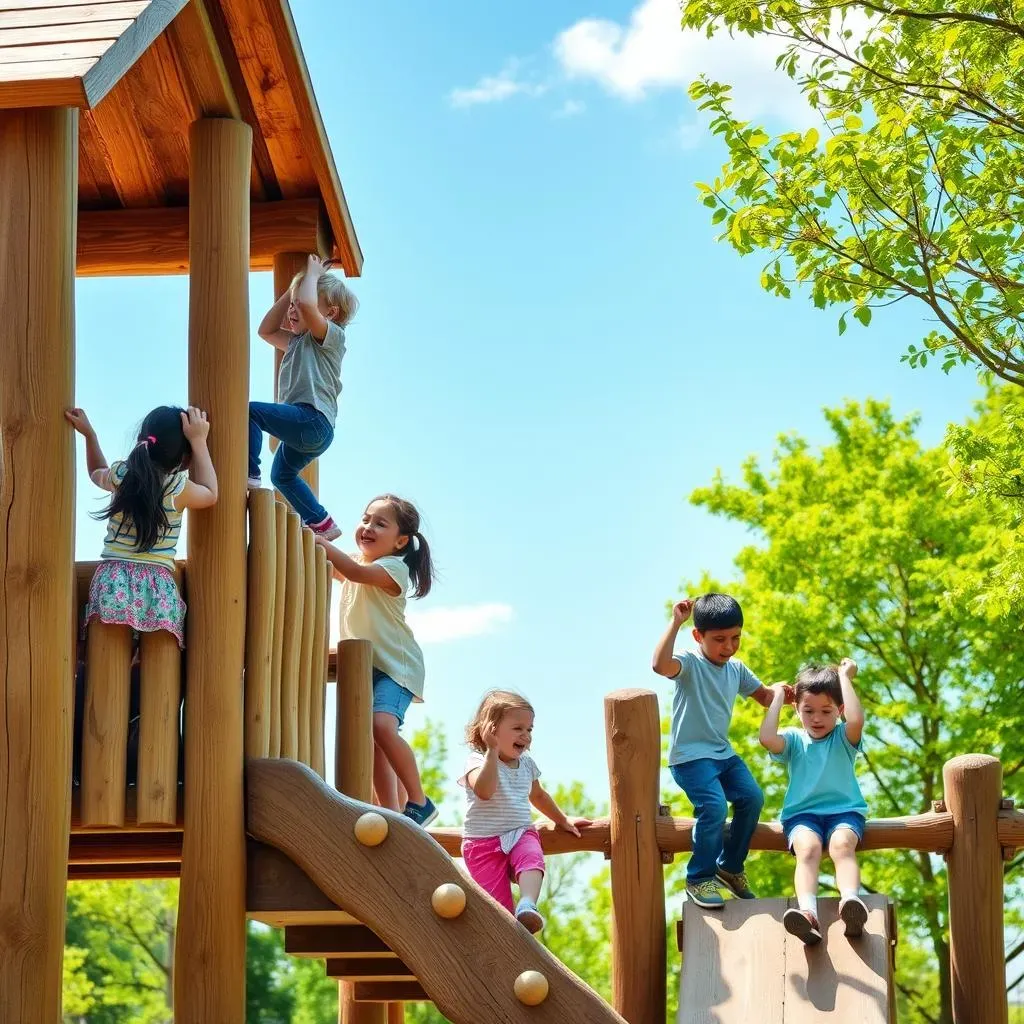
633, 735
286, 266
259, 628
318, 670
209, 976
281, 571
38, 196
108, 666
295, 588
353, 775
159, 721
973, 785
306, 644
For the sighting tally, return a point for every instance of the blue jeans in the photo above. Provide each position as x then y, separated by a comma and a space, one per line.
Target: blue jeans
824, 825
390, 697
304, 433
709, 783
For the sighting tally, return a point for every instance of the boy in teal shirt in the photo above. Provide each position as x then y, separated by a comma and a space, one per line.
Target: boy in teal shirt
823, 807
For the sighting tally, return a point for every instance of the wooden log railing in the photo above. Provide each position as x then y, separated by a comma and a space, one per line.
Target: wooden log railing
129, 696
287, 631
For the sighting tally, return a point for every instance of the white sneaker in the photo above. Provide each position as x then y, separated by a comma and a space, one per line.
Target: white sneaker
254, 483
854, 915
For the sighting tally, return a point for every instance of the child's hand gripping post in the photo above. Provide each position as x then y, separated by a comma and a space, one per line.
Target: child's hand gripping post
95, 461
201, 490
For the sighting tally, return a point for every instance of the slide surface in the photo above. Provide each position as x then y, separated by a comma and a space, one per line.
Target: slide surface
467, 965
741, 966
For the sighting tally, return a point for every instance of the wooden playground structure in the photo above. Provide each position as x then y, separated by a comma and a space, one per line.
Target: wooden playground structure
165, 136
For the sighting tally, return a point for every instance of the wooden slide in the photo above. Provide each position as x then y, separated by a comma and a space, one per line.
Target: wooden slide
741, 966
471, 965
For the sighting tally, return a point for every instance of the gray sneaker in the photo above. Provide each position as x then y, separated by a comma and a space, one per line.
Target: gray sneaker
705, 894
736, 883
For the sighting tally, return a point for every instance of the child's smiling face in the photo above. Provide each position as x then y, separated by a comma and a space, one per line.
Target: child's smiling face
818, 713
515, 734
378, 534
719, 645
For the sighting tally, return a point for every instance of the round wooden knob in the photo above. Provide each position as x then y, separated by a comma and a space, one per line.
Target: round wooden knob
531, 988
371, 828
448, 900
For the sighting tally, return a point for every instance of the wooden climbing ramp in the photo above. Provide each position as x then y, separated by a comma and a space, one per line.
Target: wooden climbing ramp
740, 966
385, 935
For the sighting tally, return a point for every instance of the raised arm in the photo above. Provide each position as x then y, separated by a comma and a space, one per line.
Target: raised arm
347, 568
308, 301
96, 463
270, 328
201, 489
664, 661
853, 712
545, 803
484, 780
769, 734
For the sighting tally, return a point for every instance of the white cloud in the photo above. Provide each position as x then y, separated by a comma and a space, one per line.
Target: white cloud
441, 625
496, 88
652, 52
570, 108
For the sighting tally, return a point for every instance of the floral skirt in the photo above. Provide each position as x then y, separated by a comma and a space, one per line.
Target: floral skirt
141, 595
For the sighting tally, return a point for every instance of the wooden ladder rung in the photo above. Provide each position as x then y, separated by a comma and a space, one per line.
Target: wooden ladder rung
390, 992
325, 942
368, 969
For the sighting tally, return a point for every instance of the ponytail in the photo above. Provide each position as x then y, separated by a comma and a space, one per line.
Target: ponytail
138, 497
421, 567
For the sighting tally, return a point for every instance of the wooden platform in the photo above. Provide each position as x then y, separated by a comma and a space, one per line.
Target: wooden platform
740, 966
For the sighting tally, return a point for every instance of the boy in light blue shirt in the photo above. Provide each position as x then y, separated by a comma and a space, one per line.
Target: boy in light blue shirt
701, 759
823, 807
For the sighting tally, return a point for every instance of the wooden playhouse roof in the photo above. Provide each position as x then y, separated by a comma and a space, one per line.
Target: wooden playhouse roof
142, 71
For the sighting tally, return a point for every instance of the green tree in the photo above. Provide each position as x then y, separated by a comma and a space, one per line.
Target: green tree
910, 187
858, 550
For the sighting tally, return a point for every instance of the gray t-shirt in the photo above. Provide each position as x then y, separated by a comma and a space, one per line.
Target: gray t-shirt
311, 372
702, 706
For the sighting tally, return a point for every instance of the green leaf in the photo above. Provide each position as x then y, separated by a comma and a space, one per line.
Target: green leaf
863, 314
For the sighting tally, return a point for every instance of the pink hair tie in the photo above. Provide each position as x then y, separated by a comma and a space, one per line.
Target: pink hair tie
151, 439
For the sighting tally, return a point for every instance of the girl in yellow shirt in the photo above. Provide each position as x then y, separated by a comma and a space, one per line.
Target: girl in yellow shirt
393, 555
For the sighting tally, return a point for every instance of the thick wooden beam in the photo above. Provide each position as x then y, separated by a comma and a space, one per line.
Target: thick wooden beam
368, 968
95, 848
321, 941
974, 865
38, 183
633, 731
155, 241
390, 991
210, 942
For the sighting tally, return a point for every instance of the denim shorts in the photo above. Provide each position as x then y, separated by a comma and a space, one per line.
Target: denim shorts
824, 825
389, 697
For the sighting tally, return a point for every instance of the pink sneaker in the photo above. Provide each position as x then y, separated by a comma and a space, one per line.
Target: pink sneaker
326, 529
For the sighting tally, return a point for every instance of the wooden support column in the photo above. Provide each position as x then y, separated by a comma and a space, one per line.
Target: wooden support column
286, 266
38, 196
353, 775
973, 785
633, 733
210, 945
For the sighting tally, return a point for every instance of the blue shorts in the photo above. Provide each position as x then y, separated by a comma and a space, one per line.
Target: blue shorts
824, 825
389, 697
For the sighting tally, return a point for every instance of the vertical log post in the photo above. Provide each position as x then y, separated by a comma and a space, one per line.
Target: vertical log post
973, 785
38, 196
633, 734
319, 665
286, 266
209, 976
281, 572
159, 722
295, 589
108, 666
259, 627
353, 775
306, 645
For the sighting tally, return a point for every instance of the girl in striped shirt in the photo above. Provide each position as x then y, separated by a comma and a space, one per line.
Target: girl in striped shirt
502, 781
134, 585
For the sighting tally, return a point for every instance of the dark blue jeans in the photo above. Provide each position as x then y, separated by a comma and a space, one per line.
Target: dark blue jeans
709, 783
304, 433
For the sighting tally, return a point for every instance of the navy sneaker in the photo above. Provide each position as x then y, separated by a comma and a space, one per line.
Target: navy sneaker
422, 814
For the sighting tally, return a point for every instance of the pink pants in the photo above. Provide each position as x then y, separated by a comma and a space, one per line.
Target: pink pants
494, 871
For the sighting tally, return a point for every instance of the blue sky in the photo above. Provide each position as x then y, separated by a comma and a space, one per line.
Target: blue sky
552, 350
